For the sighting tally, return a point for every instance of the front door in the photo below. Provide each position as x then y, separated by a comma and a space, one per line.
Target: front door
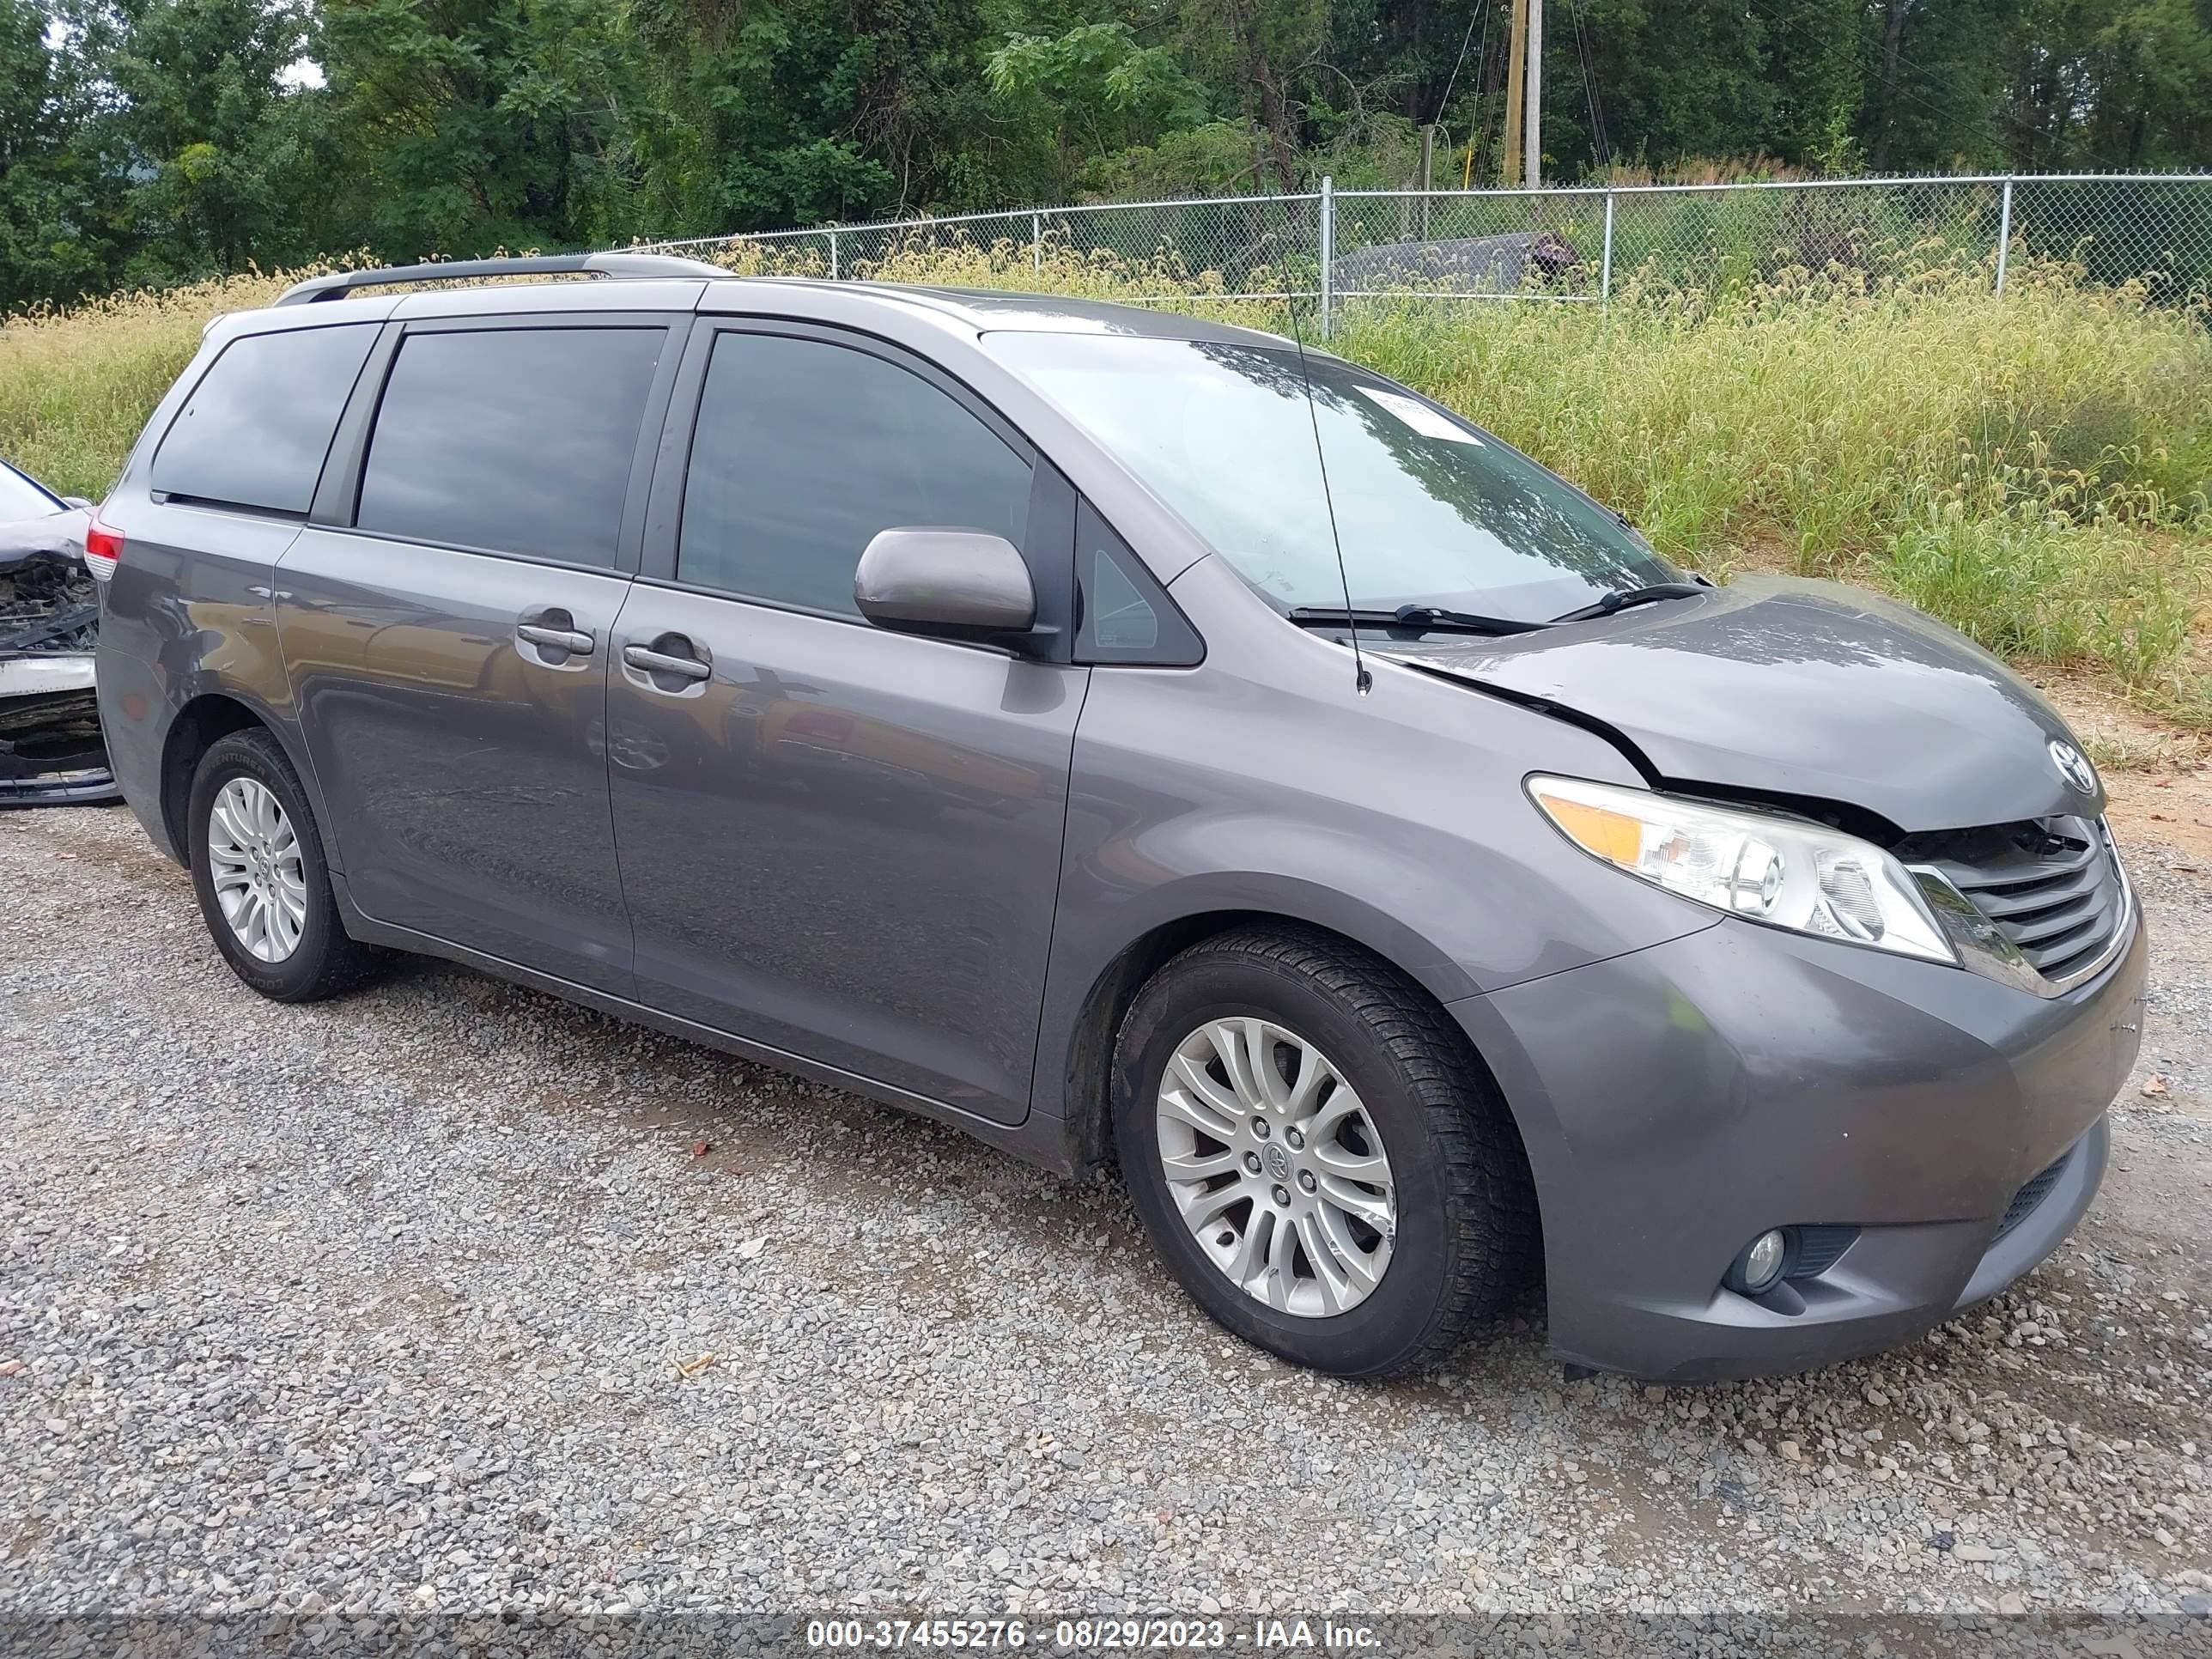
837, 841
449, 649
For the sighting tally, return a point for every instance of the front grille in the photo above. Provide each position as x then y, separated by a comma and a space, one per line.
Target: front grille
2052, 886
2024, 1201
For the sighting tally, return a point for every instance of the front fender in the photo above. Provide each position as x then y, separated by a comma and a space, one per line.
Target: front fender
1395, 819
1234, 861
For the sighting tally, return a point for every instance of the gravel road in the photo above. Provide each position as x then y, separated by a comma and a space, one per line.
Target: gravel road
450, 1295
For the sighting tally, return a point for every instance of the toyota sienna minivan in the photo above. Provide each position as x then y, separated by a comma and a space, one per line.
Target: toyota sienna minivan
1149, 746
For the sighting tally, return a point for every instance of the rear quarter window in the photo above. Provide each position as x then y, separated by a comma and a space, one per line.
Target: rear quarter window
255, 430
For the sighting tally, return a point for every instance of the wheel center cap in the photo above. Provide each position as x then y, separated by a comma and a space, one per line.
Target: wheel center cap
1277, 1160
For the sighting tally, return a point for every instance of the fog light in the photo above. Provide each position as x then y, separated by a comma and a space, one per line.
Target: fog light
1760, 1263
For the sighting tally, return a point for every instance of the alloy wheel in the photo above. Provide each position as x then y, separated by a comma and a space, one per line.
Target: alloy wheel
1276, 1167
254, 861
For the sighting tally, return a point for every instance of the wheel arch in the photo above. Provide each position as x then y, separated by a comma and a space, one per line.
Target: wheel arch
197, 727
1085, 1095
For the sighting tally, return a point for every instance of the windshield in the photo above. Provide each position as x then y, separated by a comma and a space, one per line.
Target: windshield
1431, 510
21, 499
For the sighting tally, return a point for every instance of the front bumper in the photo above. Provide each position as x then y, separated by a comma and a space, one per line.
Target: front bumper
1678, 1101
51, 750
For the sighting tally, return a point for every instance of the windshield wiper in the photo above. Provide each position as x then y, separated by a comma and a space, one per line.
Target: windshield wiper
1613, 602
1428, 618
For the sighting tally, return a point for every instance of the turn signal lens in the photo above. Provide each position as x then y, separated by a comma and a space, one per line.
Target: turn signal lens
1611, 835
1784, 871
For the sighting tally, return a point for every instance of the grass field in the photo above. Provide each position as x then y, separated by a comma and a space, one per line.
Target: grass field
2034, 470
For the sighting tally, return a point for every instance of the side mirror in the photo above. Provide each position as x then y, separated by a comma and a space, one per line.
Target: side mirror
948, 584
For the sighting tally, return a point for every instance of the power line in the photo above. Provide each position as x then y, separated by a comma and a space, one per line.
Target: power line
1444, 104
1474, 132
1601, 145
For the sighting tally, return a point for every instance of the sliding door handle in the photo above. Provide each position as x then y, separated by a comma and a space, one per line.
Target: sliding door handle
659, 662
556, 639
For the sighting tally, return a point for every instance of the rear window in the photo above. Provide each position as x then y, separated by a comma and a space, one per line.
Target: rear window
512, 440
256, 428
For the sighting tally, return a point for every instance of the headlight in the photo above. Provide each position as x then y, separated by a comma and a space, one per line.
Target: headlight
1783, 871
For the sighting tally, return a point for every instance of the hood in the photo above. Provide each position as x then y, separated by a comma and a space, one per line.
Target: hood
1812, 691
61, 534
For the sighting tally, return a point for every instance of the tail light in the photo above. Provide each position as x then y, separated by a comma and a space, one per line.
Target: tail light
103, 548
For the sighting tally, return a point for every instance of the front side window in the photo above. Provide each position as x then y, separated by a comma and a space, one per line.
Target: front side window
805, 449
512, 440
255, 430
1428, 509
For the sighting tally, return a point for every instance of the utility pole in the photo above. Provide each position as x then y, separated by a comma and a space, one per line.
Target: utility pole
1517, 77
1428, 166
1536, 101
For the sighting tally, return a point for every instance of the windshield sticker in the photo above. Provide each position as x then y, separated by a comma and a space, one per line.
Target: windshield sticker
1420, 417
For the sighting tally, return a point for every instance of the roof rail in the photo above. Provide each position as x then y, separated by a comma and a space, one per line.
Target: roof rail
339, 283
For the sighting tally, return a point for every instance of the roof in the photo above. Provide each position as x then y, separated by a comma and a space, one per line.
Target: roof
659, 283
991, 308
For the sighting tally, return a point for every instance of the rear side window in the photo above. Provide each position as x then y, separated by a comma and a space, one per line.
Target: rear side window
805, 450
256, 428
513, 440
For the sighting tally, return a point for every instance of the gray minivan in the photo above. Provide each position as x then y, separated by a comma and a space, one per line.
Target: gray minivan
1139, 742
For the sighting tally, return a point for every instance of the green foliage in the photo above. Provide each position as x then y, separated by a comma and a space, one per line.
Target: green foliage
152, 141
227, 162
479, 124
54, 194
1102, 95
1213, 160
2039, 588
159, 141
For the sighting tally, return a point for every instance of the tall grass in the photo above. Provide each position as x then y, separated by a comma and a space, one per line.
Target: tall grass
76, 386
2035, 470
1822, 413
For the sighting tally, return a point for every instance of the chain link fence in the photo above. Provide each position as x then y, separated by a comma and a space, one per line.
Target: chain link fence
1588, 244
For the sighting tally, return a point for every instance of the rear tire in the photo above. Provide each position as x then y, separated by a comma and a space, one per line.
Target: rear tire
258, 870
1438, 1194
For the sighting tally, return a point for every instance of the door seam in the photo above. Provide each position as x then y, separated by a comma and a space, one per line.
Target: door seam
1058, 879
607, 775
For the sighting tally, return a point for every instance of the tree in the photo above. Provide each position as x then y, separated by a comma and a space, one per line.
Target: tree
1098, 92
56, 201
172, 138
478, 125
222, 161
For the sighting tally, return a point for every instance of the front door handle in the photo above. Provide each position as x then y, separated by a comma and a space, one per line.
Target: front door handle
556, 639
659, 662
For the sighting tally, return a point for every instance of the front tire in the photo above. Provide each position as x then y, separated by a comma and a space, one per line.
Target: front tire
1318, 1155
258, 870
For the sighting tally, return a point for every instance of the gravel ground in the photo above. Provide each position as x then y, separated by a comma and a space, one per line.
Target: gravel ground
449, 1295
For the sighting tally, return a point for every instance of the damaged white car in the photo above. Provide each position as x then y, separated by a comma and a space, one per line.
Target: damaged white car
51, 751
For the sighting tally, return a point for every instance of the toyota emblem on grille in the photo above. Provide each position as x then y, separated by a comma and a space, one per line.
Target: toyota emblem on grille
2072, 766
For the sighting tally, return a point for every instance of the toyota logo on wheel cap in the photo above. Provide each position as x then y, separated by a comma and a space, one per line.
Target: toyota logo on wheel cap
2074, 766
